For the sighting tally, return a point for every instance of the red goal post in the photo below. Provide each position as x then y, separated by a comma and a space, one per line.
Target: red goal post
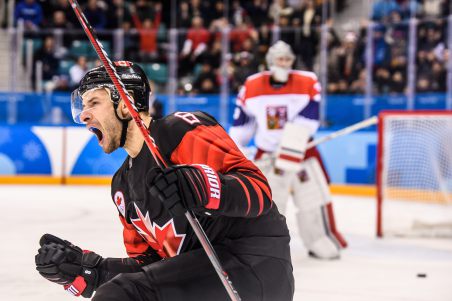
414, 163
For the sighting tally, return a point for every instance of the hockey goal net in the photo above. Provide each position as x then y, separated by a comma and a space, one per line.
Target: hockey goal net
414, 174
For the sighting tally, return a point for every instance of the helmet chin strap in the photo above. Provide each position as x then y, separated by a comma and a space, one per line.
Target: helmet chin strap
125, 125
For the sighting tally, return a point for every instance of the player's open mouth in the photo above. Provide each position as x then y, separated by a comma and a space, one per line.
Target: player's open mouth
97, 132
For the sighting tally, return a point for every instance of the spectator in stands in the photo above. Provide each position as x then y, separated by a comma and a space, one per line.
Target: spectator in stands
279, 8
216, 15
432, 8
245, 68
77, 71
117, 12
145, 10
429, 37
184, 15
131, 45
237, 14
407, 9
289, 34
208, 86
264, 40
63, 5
50, 63
206, 81
257, 10
382, 79
195, 44
147, 29
397, 84
95, 14
309, 18
382, 8
243, 31
381, 47
422, 62
398, 66
59, 21
358, 86
199, 8
212, 55
439, 77
148, 39
30, 12
423, 83
349, 62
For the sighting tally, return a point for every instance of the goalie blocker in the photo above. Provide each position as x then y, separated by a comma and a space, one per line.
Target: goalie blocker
307, 181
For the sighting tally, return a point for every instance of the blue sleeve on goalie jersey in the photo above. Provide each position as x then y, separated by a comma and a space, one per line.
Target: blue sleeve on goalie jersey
311, 111
240, 117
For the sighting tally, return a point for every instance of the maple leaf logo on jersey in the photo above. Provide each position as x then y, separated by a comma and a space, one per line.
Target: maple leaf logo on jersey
119, 201
165, 240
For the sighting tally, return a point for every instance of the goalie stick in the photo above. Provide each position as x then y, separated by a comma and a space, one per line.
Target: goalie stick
347, 130
119, 85
350, 129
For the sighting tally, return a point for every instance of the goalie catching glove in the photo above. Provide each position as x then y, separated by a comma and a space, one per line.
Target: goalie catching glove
61, 262
180, 188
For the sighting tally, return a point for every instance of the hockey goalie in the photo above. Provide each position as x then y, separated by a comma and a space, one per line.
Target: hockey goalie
280, 109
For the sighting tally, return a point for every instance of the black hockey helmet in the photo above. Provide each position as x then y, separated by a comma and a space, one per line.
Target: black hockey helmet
131, 74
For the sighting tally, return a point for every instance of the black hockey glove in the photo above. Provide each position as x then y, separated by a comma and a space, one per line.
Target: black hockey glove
186, 187
61, 262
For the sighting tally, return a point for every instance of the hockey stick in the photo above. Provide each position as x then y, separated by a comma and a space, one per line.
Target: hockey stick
350, 129
347, 130
119, 85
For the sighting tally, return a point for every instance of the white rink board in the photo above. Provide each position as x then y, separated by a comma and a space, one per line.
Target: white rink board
369, 270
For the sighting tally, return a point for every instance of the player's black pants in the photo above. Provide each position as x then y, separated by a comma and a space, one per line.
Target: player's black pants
191, 277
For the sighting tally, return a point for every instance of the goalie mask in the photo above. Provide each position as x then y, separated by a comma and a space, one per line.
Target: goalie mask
133, 77
279, 60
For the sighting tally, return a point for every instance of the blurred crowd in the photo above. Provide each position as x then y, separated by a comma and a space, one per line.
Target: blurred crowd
67, 56
390, 40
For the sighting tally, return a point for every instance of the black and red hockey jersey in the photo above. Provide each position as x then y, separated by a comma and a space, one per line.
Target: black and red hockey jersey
246, 220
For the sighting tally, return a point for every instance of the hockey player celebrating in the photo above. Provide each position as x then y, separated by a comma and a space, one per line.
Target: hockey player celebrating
207, 174
281, 108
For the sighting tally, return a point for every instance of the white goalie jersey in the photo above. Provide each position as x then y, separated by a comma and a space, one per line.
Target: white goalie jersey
263, 110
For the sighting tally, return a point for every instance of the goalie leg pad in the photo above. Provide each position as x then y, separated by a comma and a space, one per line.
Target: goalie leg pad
315, 215
279, 182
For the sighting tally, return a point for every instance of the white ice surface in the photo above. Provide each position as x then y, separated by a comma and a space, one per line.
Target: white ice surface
370, 269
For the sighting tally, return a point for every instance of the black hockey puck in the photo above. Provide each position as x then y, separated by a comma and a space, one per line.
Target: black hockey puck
422, 275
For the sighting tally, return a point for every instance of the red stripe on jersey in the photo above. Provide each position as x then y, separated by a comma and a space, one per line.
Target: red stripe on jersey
259, 195
290, 158
247, 193
200, 196
265, 188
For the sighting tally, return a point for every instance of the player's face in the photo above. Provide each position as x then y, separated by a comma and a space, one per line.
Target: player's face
283, 62
99, 116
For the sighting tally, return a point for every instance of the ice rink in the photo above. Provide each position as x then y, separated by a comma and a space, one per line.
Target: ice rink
370, 269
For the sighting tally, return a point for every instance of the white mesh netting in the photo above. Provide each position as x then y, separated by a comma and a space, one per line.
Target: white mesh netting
417, 167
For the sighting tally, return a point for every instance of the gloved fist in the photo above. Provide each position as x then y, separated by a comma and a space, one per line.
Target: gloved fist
186, 187
61, 262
